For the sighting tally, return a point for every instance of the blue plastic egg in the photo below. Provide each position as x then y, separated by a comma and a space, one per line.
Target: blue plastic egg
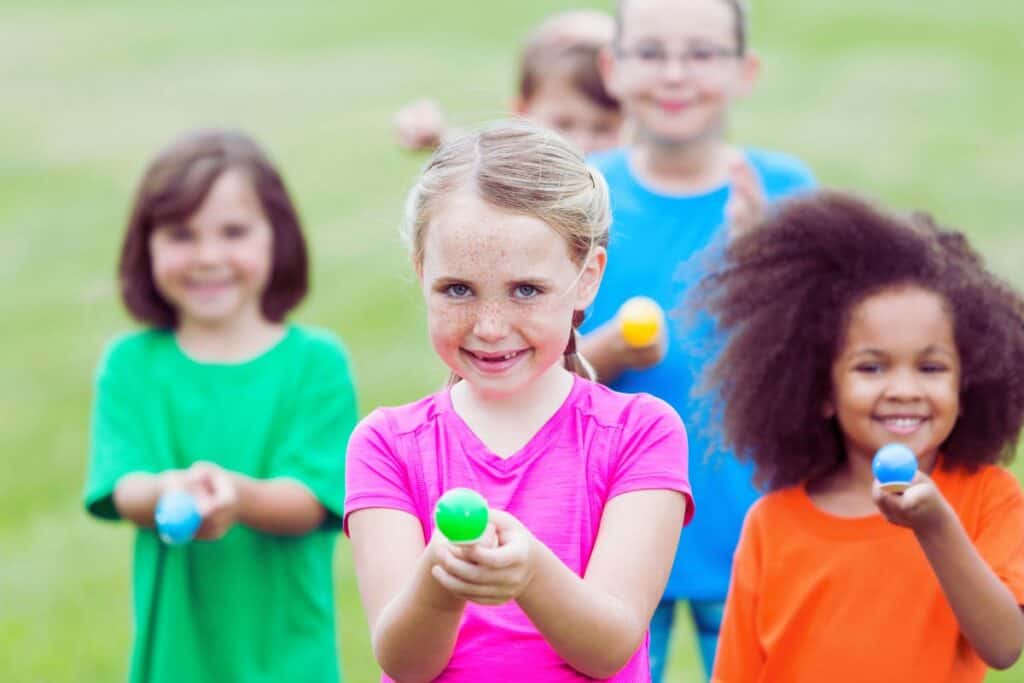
894, 463
177, 518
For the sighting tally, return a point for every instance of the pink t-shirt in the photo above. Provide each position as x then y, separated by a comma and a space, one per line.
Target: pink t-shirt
598, 444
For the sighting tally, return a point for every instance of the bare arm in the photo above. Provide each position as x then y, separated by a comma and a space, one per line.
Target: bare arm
610, 355
279, 506
413, 620
595, 623
986, 610
137, 493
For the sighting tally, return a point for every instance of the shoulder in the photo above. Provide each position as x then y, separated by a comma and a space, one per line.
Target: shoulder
320, 343
767, 510
319, 353
780, 172
611, 163
611, 408
395, 421
991, 483
133, 349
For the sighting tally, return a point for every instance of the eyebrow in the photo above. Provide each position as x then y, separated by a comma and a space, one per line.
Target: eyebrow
528, 279
933, 348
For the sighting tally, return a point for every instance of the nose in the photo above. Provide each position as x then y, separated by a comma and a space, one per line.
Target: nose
207, 251
904, 385
675, 69
490, 324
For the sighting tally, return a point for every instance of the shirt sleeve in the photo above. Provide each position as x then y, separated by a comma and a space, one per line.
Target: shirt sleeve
325, 415
1000, 539
652, 451
739, 656
377, 477
117, 440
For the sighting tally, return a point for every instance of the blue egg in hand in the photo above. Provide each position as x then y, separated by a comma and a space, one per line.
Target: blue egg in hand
177, 518
894, 466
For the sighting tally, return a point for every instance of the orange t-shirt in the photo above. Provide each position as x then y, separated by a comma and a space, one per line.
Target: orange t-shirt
816, 597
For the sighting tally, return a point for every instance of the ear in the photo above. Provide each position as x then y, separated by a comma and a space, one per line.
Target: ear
608, 67
590, 278
417, 266
828, 410
520, 106
749, 72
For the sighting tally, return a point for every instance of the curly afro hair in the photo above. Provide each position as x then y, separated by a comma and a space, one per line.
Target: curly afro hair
782, 296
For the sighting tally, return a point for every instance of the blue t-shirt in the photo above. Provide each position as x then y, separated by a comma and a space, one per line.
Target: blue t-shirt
652, 236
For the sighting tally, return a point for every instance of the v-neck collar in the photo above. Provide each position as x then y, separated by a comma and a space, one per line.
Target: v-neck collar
536, 445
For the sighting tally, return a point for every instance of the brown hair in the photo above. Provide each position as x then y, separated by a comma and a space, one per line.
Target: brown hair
526, 169
567, 46
782, 298
741, 23
172, 189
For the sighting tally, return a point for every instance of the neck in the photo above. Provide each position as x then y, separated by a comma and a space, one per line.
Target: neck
542, 395
233, 342
691, 166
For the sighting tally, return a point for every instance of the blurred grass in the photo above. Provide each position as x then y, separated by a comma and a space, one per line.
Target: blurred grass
917, 106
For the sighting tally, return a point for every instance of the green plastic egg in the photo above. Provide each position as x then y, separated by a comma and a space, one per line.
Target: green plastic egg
461, 515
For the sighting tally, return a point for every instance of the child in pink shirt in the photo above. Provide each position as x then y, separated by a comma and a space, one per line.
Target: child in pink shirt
587, 487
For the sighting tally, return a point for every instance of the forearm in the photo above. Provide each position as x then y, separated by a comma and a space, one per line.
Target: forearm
414, 635
595, 632
986, 610
281, 506
602, 349
136, 495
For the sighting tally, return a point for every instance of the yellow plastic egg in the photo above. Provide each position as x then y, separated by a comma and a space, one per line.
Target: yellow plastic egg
640, 320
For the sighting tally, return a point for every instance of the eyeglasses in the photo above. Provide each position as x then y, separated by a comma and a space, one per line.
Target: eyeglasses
705, 61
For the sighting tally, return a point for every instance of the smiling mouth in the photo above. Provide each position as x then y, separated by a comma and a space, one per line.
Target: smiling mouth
495, 357
902, 424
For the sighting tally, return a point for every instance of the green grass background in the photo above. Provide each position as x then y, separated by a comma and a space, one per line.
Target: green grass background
917, 104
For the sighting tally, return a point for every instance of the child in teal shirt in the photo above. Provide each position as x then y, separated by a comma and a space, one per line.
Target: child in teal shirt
223, 399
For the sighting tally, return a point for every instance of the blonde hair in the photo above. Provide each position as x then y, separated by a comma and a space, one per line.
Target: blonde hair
522, 168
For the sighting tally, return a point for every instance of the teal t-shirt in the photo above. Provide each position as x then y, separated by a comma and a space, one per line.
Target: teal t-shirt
250, 607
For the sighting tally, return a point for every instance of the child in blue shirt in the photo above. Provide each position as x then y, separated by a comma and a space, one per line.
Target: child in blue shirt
677, 66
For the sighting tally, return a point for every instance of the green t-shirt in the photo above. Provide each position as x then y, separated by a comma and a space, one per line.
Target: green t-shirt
250, 607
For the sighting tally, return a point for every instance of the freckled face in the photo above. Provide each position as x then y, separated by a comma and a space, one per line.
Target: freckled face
500, 289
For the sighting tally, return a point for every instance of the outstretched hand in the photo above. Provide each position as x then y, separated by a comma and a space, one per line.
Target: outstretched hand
216, 495
918, 507
493, 571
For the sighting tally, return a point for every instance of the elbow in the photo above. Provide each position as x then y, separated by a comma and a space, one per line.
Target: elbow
611, 660
398, 668
1004, 658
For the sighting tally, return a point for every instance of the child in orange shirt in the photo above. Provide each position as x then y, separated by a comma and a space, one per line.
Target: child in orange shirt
560, 87
847, 328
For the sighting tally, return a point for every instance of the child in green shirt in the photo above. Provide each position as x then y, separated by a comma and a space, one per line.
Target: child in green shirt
223, 399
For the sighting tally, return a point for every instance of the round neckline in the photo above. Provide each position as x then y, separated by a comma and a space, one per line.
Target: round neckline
237, 366
641, 184
825, 523
476, 448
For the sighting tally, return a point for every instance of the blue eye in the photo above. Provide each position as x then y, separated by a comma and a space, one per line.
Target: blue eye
526, 291
933, 368
457, 291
